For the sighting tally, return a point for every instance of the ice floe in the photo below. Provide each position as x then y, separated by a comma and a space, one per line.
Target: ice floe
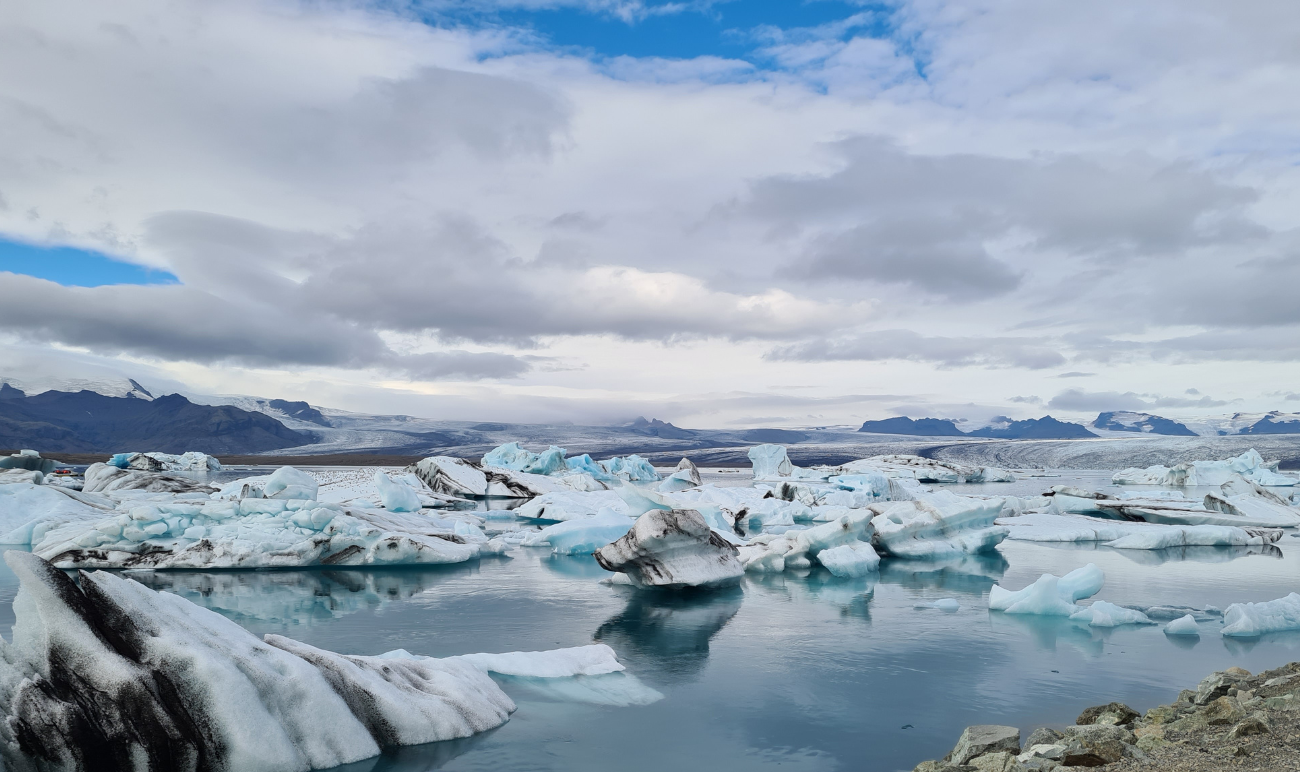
29, 460
1250, 620
191, 461
672, 549
1239, 503
1249, 465
1046, 527
396, 497
938, 524
1050, 595
1103, 614
162, 683
583, 535
686, 476
103, 478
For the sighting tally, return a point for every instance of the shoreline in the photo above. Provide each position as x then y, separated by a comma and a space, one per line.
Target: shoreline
1231, 720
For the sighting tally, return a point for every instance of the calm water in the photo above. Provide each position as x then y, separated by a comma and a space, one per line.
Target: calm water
802, 672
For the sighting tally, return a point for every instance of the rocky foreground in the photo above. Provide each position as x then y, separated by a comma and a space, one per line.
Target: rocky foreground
1233, 720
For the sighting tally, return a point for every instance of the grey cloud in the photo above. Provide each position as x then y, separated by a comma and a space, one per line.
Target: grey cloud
896, 217
1076, 374
1100, 401
450, 277
1029, 353
184, 324
1028, 400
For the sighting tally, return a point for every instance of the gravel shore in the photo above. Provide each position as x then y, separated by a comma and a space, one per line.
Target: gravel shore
1232, 721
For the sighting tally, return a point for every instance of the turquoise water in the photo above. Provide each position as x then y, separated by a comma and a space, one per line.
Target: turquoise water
801, 672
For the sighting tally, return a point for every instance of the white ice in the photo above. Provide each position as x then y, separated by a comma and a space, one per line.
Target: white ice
1249, 620
570, 505
1249, 465
770, 462
674, 549
190, 461
1103, 614
943, 604
938, 524
1050, 595
1121, 534
584, 535
1185, 625
396, 497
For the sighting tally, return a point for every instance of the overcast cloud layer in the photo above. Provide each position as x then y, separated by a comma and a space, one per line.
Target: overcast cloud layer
368, 211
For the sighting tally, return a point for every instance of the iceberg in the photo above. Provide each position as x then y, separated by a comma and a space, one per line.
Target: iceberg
160, 683
191, 461
102, 478
1250, 620
463, 479
939, 524
31, 476
1249, 465
1103, 614
1185, 625
632, 469
770, 462
926, 470
1049, 595
288, 483
28, 460
1240, 503
1121, 534
570, 505
672, 549
396, 497
584, 535
552, 463
28, 510
850, 560
685, 477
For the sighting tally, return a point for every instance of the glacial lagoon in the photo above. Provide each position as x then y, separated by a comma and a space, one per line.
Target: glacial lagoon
800, 670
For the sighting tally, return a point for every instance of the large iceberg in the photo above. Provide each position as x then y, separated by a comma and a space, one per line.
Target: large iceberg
1239, 503
927, 470
1121, 534
582, 536
553, 462
570, 505
1249, 465
29, 460
112, 675
1250, 620
685, 477
672, 549
103, 478
770, 462
396, 497
938, 524
191, 461
28, 510
465, 479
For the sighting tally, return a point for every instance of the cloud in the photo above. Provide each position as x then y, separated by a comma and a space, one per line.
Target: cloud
907, 345
1081, 401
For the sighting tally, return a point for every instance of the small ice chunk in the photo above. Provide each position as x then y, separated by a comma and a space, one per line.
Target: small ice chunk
1103, 614
1050, 595
1183, 626
289, 483
943, 604
850, 560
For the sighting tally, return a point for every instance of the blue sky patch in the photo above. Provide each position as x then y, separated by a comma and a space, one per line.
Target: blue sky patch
74, 267
731, 29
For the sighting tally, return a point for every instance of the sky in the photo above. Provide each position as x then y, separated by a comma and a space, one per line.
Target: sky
721, 214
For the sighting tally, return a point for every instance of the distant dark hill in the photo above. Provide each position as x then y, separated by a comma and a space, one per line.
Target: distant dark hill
1124, 421
9, 392
656, 428
921, 427
773, 435
300, 410
88, 422
1045, 428
1270, 424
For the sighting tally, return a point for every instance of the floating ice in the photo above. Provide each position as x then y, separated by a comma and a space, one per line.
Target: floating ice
943, 604
461, 478
396, 497
102, 478
191, 461
29, 460
271, 705
570, 505
1043, 527
1240, 503
584, 535
770, 462
1249, 465
632, 468
1249, 620
1103, 614
673, 549
1185, 625
686, 476
1049, 595
926, 470
850, 560
938, 524
26, 509
30, 476
289, 483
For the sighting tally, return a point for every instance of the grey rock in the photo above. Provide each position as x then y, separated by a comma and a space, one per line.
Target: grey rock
1251, 726
1218, 684
1002, 761
981, 739
1042, 736
1113, 714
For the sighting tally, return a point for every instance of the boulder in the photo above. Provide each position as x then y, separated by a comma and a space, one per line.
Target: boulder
1042, 736
1093, 745
1218, 684
982, 739
1224, 711
1249, 727
1001, 761
1112, 714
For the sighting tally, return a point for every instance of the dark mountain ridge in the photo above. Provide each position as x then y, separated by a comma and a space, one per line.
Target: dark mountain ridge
88, 422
